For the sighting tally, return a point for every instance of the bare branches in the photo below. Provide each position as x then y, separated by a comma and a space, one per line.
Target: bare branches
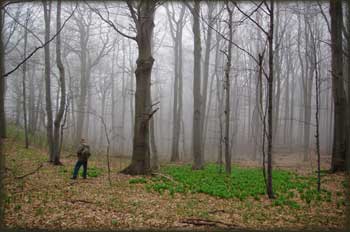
40, 47
9, 3
132, 12
252, 20
26, 28
150, 115
109, 22
324, 16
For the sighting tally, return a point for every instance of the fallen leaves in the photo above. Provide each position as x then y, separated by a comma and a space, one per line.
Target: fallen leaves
48, 199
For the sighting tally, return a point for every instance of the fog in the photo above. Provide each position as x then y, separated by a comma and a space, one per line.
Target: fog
100, 63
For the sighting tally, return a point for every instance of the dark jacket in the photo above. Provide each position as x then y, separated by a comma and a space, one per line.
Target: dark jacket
83, 156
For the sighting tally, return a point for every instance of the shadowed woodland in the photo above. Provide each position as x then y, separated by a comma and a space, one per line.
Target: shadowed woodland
198, 114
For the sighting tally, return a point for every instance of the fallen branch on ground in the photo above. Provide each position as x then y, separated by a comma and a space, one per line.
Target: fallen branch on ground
217, 211
30, 173
205, 222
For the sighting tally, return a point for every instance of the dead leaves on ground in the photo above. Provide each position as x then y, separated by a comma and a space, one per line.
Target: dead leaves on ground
49, 199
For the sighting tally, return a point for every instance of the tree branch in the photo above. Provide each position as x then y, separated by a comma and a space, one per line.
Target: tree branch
40, 47
109, 22
30, 173
252, 20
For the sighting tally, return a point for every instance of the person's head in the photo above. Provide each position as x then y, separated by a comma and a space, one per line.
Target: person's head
82, 140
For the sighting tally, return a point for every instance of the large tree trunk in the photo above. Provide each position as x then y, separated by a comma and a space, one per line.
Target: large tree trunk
176, 33
277, 75
258, 112
49, 125
60, 112
132, 98
339, 139
175, 135
270, 107
227, 88
81, 106
180, 93
197, 114
206, 73
307, 86
140, 163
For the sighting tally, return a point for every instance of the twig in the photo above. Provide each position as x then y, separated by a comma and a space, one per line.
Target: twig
206, 222
30, 173
40, 47
152, 113
217, 211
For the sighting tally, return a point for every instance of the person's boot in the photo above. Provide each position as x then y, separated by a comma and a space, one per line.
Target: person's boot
73, 178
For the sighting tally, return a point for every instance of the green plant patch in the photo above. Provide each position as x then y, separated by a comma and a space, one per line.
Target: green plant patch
243, 183
140, 180
91, 172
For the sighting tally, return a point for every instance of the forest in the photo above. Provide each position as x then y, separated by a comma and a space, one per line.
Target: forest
150, 114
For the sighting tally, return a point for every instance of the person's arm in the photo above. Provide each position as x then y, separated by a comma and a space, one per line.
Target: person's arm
80, 149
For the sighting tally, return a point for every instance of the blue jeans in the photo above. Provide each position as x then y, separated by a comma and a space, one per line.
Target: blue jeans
77, 167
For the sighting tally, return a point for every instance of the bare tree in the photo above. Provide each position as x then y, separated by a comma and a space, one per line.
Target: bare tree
227, 90
339, 139
270, 107
142, 14
49, 125
197, 98
60, 112
204, 87
176, 28
24, 71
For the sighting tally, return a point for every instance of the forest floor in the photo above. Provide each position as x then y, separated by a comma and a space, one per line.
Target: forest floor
48, 198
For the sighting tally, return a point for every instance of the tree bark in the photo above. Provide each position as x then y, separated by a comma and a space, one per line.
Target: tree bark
197, 114
60, 112
227, 88
270, 107
49, 129
348, 108
24, 72
2, 119
206, 73
2, 78
81, 105
140, 163
176, 33
339, 139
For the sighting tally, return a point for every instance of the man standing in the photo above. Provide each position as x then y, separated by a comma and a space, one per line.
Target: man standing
83, 154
